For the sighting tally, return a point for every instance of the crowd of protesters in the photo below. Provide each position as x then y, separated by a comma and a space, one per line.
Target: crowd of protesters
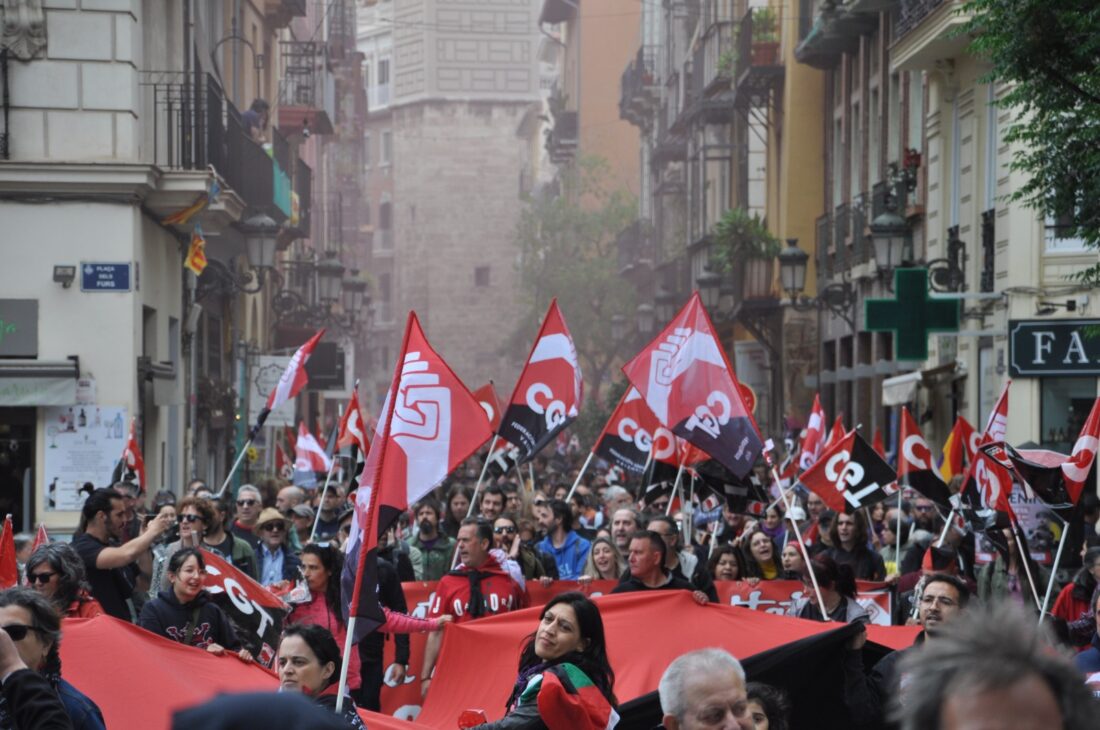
139, 560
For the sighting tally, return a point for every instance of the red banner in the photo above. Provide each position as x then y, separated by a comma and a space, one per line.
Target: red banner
767, 596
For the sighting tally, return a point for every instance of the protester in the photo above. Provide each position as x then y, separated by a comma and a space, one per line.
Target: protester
478, 587
993, 670
234, 550
604, 562
616, 498
249, 504
131, 521
277, 562
302, 518
704, 689
793, 560
109, 567
1074, 603
936, 561
255, 119
891, 556
492, 502
726, 563
57, 572
625, 521
768, 706
514, 499
682, 563
565, 655
458, 504
647, 559
321, 568
1088, 661
194, 513
838, 591
732, 526
329, 521
760, 557
184, 613
435, 549
506, 538
568, 549
848, 536
1006, 578
33, 624
309, 662
773, 525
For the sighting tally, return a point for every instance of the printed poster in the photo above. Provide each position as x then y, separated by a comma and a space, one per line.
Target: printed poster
83, 444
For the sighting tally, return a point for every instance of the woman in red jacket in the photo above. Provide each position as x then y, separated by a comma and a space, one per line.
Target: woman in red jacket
57, 572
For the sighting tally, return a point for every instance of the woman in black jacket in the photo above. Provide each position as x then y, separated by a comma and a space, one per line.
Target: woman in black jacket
309, 662
184, 612
563, 663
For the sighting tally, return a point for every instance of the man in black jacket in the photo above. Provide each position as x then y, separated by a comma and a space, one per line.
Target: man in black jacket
683, 564
647, 568
28, 696
371, 667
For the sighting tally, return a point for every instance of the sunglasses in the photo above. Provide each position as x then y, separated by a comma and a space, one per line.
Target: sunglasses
274, 527
504, 530
18, 632
246, 502
42, 578
191, 518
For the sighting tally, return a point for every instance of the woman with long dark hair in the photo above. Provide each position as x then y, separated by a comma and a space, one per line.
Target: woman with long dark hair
838, 591
57, 572
761, 557
727, 563
309, 662
455, 509
566, 650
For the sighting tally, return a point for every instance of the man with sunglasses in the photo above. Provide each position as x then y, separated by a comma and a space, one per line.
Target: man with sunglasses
277, 562
249, 506
506, 538
237, 551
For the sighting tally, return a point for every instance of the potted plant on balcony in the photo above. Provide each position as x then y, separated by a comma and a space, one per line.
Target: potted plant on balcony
765, 37
741, 242
727, 63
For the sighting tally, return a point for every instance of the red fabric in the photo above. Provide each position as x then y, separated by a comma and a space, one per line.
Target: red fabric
352, 428
317, 612
877, 445
400, 623
84, 607
294, 378
9, 568
836, 433
814, 439
487, 397
914, 454
560, 709
309, 455
1067, 607
998, 420
632, 422
501, 594
40, 538
131, 455
1077, 469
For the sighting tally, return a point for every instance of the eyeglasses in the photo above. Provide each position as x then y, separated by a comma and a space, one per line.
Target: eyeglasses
246, 502
923, 508
42, 578
503, 530
927, 600
18, 632
273, 527
191, 518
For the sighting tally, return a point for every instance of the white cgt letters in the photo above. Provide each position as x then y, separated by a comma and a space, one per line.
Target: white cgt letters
541, 400
705, 417
850, 475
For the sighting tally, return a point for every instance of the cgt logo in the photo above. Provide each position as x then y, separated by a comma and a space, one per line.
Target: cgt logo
989, 484
705, 417
540, 399
916, 452
662, 443
845, 475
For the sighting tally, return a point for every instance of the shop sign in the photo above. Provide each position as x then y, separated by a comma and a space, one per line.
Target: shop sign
1038, 347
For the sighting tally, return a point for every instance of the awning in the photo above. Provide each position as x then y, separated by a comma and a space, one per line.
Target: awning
900, 389
28, 383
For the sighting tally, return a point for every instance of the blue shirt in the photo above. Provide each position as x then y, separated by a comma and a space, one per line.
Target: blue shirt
271, 570
570, 557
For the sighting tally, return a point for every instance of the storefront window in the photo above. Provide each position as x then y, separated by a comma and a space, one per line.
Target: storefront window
1065, 404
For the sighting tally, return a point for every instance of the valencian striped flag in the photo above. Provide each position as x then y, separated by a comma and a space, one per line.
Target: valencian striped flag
960, 445
196, 252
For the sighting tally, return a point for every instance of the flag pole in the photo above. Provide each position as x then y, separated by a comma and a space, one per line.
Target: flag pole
1027, 564
689, 512
577, 481
713, 537
946, 527
798, 534
237, 463
328, 478
531, 471
675, 488
1054, 571
897, 550
481, 477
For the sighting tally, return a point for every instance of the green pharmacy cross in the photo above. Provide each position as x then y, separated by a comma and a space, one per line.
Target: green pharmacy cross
912, 314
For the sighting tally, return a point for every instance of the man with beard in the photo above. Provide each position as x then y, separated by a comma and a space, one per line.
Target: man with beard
943, 599
436, 549
625, 521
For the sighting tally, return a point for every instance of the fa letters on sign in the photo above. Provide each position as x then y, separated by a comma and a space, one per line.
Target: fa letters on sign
1044, 349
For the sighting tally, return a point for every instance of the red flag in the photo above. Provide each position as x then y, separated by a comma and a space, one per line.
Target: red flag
291, 437
836, 433
814, 440
548, 395
294, 378
877, 445
986, 488
632, 433
689, 385
1076, 470
283, 466
487, 396
430, 424
131, 456
961, 442
915, 466
308, 453
690, 454
850, 475
40, 538
997, 424
352, 428
9, 569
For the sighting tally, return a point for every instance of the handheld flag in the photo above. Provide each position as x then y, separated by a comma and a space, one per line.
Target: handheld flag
291, 382
353, 432
487, 396
309, 456
850, 475
196, 252
836, 433
877, 443
41, 537
632, 434
131, 456
547, 397
684, 377
814, 439
997, 424
985, 492
961, 444
9, 567
430, 424
915, 467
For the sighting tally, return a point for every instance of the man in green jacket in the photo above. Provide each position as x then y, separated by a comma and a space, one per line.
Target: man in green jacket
436, 549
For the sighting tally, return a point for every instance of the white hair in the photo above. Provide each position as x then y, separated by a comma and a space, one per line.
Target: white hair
249, 488
612, 493
703, 662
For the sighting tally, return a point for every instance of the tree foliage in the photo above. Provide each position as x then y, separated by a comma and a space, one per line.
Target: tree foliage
1047, 53
567, 249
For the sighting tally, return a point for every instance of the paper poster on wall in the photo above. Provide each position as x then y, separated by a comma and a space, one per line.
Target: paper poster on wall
83, 444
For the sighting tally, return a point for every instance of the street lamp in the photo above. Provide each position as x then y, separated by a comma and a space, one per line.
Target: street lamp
710, 289
792, 268
260, 233
330, 275
353, 292
840, 299
644, 319
889, 234
618, 327
664, 306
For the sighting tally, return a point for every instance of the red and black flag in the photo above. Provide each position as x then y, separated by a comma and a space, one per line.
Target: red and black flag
487, 396
684, 377
983, 501
915, 466
547, 397
633, 434
850, 475
739, 494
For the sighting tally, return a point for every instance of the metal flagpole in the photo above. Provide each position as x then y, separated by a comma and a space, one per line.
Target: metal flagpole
237, 463
946, 527
348, 646
328, 478
531, 471
1054, 570
675, 487
1027, 564
484, 467
801, 544
897, 551
689, 513
577, 481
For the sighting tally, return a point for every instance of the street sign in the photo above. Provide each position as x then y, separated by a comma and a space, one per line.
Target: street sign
912, 314
95, 277
1038, 347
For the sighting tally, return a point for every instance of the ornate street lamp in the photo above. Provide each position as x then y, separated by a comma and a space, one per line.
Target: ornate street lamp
710, 289
644, 315
330, 275
260, 233
889, 234
353, 291
792, 269
840, 299
618, 327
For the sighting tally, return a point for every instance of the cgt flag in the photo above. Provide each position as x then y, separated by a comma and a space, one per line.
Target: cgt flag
983, 501
915, 467
309, 456
686, 381
487, 396
430, 424
547, 397
850, 475
814, 439
632, 434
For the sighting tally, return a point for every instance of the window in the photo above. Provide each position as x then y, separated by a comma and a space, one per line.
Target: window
875, 142
1064, 405
367, 150
916, 110
855, 151
481, 276
385, 154
893, 123
366, 213
384, 239
383, 87
385, 298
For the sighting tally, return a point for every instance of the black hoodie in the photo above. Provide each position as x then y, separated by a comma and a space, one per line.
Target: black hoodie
166, 616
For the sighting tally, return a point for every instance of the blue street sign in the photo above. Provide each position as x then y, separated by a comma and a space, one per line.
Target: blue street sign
105, 277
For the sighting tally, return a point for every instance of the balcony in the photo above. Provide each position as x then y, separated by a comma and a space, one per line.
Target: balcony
827, 30
562, 140
341, 29
710, 101
927, 31
759, 60
635, 250
823, 228
670, 147
280, 12
719, 58
638, 89
307, 92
